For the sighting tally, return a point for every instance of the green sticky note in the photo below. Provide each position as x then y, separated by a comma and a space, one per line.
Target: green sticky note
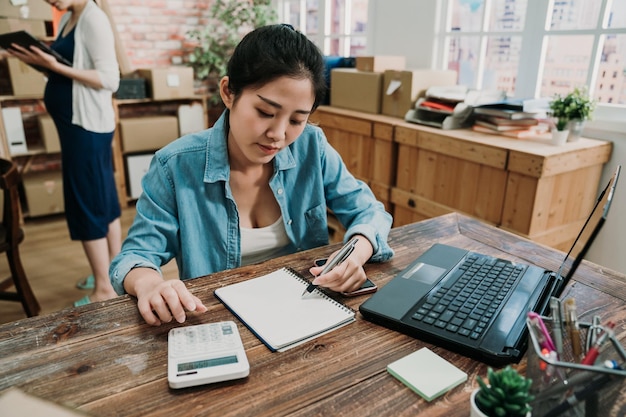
427, 373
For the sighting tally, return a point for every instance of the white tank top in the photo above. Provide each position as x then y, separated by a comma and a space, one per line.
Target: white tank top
262, 243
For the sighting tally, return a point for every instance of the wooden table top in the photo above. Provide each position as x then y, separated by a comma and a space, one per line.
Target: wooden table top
104, 360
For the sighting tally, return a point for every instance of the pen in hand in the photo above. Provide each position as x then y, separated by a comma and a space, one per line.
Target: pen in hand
341, 256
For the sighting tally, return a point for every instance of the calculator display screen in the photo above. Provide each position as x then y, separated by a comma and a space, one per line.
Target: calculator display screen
207, 363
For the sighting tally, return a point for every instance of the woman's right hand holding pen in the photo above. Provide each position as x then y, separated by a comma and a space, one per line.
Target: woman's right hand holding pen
348, 275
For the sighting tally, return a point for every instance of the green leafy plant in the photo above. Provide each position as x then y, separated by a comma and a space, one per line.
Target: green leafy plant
229, 21
575, 105
506, 393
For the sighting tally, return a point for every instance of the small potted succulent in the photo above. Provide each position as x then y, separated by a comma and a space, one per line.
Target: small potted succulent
506, 393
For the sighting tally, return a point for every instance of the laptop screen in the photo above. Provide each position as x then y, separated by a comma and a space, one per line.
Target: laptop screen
589, 231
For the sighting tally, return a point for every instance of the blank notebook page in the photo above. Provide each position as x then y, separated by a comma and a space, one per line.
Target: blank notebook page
272, 307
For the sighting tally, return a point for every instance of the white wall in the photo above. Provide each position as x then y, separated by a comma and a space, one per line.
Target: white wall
610, 248
407, 27
403, 27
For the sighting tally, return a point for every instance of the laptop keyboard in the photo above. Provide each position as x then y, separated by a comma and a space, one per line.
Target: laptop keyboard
466, 302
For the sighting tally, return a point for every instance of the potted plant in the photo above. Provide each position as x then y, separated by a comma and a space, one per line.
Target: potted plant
213, 44
572, 111
506, 393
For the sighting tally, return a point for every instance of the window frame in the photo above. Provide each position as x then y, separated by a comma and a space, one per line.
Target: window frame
324, 37
532, 53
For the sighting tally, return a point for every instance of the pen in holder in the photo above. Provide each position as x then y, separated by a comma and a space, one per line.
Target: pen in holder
562, 385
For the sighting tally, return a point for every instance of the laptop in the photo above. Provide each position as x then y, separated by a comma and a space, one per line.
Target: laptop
446, 297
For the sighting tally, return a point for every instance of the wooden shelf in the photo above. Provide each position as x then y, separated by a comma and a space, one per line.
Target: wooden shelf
119, 154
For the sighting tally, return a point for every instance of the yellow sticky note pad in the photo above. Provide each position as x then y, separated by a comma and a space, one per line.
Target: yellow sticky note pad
427, 373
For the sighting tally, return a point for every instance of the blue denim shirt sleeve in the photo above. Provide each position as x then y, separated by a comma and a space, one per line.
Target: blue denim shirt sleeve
187, 212
354, 204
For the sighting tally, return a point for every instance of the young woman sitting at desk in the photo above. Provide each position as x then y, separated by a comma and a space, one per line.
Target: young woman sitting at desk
253, 187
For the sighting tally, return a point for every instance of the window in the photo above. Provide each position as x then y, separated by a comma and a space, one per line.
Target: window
531, 48
338, 27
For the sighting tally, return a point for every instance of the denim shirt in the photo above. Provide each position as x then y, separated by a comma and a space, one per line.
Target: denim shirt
187, 210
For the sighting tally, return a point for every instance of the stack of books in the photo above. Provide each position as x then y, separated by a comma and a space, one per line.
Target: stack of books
508, 119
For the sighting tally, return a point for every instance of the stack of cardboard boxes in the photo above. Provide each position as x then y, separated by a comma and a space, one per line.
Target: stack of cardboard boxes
43, 190
34, 17
142, 135
382, 84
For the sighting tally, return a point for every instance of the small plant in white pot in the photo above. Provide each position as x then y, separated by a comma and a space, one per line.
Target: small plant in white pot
571, 112
560, 115
505, 393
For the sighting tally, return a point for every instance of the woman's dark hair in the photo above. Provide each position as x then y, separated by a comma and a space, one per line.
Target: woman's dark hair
274, 51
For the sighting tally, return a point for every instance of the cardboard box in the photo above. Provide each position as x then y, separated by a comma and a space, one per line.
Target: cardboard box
44, 192
191, 118
380, 63
137, 166
30, 9
401, 89
166, 83
25, 80
140, 134
37, 28
356, 90
49, 133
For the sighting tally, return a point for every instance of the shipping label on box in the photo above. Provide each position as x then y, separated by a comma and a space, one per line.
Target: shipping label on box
168, 83
25, 80
141, 134
356, 90
401, 89
380, 63
44, 193
26, 9
37, 28
49, 133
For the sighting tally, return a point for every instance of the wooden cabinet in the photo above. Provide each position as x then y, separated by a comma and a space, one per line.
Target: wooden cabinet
39, 162
528, 187
365, 144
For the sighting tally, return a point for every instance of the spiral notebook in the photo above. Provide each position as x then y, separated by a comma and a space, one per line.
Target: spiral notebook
273, 308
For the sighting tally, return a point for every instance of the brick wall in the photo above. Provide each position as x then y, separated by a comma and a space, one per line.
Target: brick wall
152, 32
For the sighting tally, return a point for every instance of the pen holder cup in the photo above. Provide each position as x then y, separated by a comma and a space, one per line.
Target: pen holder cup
564, 387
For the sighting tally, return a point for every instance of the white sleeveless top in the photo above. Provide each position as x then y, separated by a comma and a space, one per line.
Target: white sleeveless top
262, 243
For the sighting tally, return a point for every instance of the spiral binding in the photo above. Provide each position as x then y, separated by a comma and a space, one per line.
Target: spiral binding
320, 290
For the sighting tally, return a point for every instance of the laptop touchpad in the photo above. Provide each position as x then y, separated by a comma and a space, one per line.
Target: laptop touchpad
424, 273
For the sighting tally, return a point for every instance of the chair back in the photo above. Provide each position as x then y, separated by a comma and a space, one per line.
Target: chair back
9, 181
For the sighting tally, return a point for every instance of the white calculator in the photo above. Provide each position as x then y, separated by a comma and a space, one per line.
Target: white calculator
205, 353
